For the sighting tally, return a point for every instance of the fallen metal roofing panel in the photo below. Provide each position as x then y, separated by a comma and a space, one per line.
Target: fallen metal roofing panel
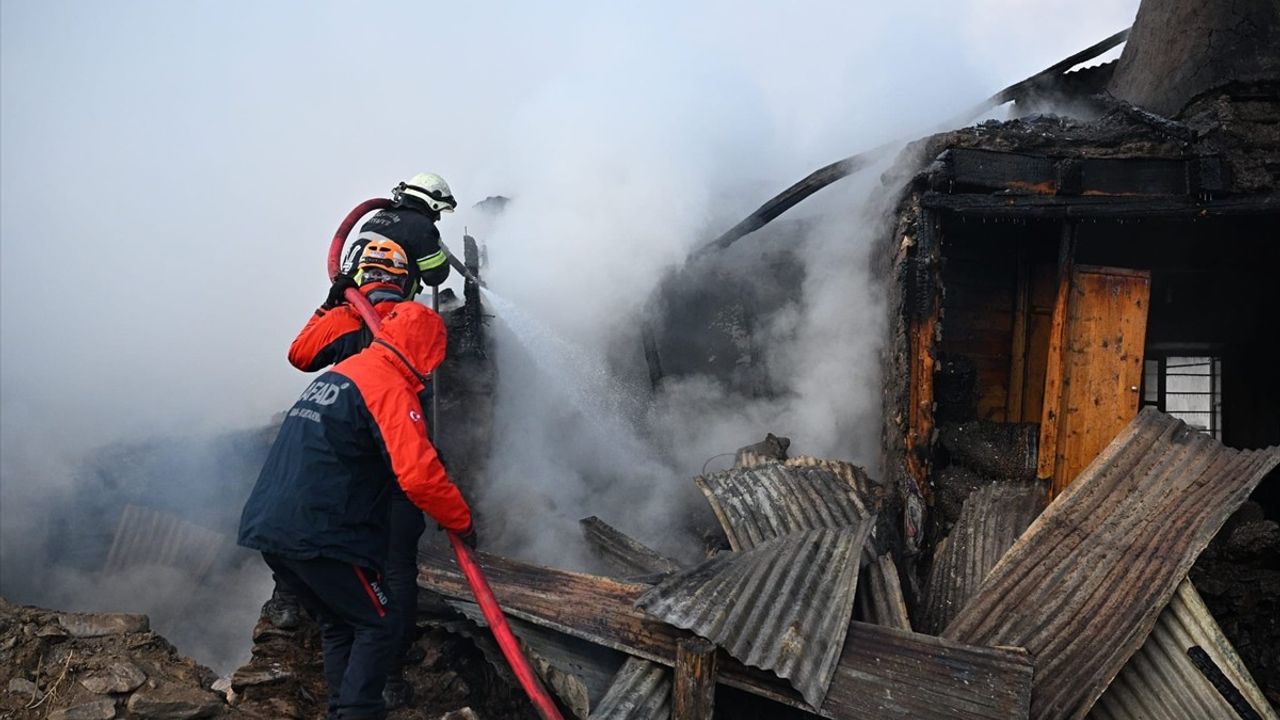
990, 522
1161, 683
1081, 589
624, 552
764, 502
783, 605
806, 493
145, 536
640, 691
857, 478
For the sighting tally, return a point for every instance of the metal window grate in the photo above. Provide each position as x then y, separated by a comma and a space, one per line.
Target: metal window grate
1188, 388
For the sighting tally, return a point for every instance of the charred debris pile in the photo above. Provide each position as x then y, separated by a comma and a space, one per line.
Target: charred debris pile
1077, 607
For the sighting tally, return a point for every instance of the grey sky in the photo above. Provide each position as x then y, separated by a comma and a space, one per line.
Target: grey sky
170, 172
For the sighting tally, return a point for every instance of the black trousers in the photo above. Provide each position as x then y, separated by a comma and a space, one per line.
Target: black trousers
406, 525
357, 629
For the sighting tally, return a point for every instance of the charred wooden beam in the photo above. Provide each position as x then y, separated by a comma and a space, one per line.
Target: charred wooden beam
882, 672
693, 696
824, 176
624, 552
971, 168
1041, 207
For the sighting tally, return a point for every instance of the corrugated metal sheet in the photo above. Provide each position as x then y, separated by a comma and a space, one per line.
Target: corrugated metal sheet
1160, 682
1082, 588
764, 502
153, 537
624, 552
990, 522
640, 691
806, 493
782, 606
856, 477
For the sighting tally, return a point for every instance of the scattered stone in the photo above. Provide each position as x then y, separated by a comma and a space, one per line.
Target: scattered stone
222, 686
86, 625
173, 702
250, 676
117, 677
96, 710
51, 631
23, 686
465, 713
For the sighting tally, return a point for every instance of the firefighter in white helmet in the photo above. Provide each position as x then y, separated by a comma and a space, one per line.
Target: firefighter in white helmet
411, 224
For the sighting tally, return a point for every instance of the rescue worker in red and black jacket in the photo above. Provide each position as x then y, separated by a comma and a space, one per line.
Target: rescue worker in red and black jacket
411, 224
335, 332
320, 509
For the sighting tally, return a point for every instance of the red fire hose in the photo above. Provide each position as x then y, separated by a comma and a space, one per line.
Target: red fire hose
532, 685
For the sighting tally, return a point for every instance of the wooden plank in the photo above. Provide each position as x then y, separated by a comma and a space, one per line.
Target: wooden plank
1082, 588
972, 167
1102, 364
920, 418
1018, 345
1024, 173
1053, 377
1041, 325
883, 672
1111, 207
693, 697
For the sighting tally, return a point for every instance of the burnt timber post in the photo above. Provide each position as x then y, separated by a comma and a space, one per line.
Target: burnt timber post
693, 695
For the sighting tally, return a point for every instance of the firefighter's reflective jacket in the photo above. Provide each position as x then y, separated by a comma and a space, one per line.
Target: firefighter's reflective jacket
415, 231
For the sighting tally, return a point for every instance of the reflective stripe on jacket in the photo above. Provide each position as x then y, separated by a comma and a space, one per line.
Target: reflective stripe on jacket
411, 229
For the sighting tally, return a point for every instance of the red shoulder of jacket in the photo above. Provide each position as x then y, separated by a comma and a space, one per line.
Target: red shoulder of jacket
390, 393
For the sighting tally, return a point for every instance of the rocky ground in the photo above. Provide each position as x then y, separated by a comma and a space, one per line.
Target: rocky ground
96, 666
102, 666
451, 679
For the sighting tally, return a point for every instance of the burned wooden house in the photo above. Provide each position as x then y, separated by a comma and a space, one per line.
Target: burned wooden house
1078, 403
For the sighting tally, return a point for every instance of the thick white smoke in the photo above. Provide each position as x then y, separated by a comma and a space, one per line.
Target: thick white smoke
170, 173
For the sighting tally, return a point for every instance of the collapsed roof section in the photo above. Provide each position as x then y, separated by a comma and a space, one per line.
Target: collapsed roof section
1082, 587
783, 605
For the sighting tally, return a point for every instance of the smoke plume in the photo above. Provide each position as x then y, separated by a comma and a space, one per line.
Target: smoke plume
171, 172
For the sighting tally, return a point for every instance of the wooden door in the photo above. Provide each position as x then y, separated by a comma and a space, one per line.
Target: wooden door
1098, 372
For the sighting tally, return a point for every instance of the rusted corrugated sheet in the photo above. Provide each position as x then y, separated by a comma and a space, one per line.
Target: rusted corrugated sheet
640, 691
1160, 682
1082, 588
990, 522
782, 606
760, 503
153, 537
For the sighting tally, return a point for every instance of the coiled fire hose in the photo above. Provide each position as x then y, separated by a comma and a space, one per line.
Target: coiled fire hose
532, 685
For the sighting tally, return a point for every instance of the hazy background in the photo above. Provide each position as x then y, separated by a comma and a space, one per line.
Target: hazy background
171, 172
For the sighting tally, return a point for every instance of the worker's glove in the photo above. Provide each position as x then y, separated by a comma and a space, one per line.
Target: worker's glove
468, 536
341, 284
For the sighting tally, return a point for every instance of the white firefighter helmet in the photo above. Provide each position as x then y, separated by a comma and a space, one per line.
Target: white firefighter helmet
430, 189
